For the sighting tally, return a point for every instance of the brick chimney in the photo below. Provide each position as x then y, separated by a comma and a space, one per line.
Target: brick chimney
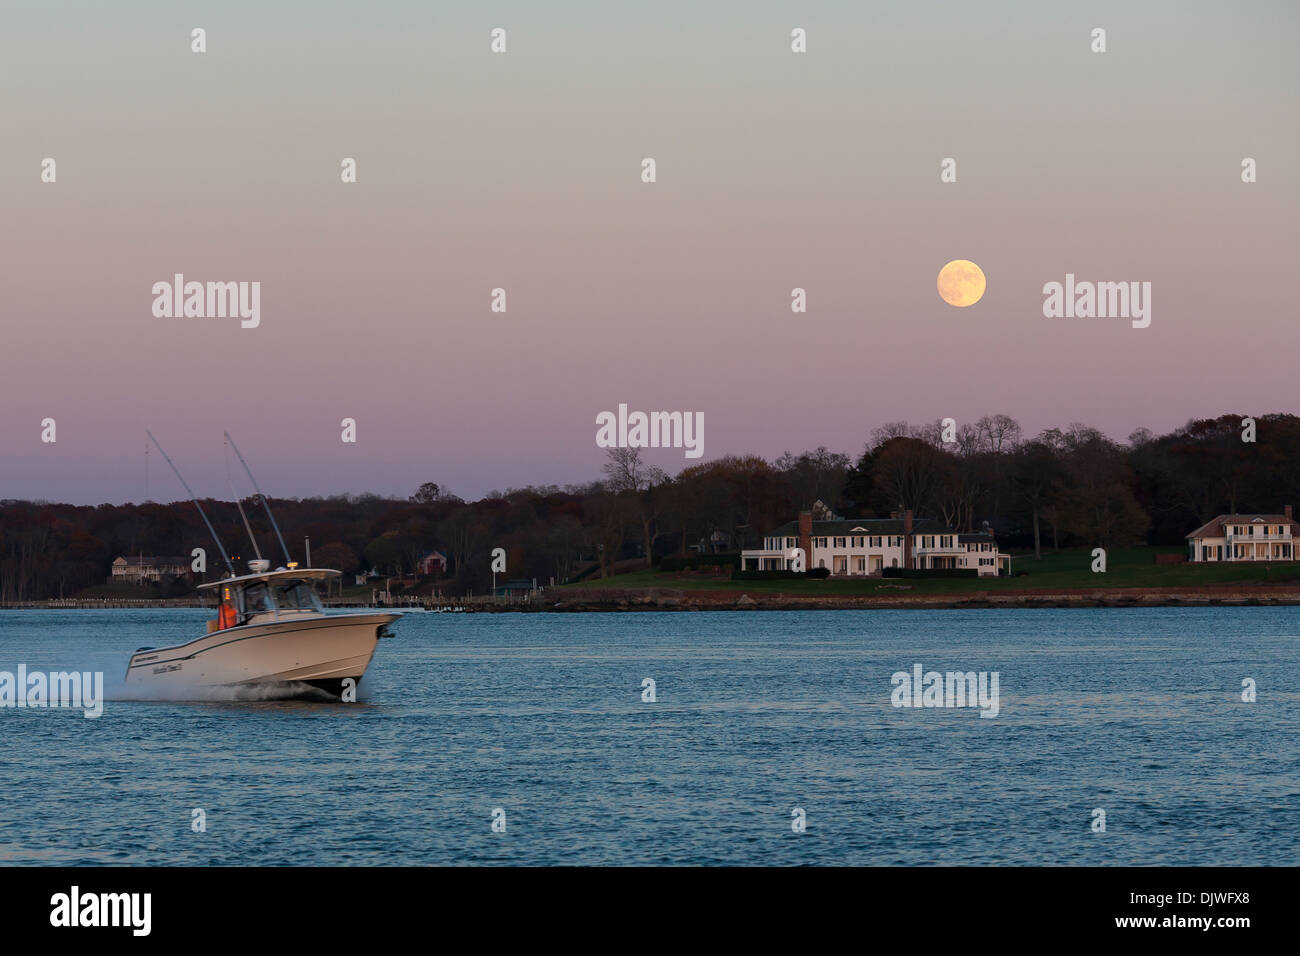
1287, 511
805, 538
907, 538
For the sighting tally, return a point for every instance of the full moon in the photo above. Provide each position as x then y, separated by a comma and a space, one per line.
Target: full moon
961, 283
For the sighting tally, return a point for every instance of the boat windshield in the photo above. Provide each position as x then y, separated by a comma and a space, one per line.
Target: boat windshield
257, 600
297, 596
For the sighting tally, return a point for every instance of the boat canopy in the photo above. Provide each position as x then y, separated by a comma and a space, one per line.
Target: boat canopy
301, 574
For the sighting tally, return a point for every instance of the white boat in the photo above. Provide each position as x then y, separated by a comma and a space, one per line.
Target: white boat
270, 633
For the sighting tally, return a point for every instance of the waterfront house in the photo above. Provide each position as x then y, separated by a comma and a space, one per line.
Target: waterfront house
140, 568
866, 546
1249, 537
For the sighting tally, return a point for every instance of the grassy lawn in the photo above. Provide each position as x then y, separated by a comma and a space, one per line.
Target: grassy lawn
1130, 567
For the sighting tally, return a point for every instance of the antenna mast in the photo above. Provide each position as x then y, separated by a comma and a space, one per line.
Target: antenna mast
224, 557
265, 503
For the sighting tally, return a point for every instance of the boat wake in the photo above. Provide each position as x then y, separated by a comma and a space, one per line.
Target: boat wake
269, 690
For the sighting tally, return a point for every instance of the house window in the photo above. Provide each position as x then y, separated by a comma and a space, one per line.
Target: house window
839, 542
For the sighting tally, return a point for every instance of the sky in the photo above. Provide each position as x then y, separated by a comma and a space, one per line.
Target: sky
522, 171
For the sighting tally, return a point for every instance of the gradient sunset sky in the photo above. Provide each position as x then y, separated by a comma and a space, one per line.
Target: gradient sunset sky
522, 170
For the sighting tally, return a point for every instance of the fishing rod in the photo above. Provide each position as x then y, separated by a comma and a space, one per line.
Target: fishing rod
240, 505
224, 557
265, 503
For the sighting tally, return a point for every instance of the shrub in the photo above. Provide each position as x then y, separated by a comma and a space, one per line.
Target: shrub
751, 575
930, 573
693, 562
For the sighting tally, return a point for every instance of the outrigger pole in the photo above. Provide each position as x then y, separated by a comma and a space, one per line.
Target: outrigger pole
247, 527
239, 504
265, 503
224, 557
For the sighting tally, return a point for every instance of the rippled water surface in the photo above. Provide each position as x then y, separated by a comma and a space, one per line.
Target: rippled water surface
1137, 712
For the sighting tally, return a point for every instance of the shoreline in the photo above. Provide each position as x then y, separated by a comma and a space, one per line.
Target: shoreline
565, 601
1199, 596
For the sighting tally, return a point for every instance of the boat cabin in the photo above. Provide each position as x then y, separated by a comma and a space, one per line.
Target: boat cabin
266, 597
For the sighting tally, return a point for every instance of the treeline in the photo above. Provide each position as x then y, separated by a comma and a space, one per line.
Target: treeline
1064, 487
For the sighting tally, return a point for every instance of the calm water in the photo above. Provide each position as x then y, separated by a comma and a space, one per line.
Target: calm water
1137, 712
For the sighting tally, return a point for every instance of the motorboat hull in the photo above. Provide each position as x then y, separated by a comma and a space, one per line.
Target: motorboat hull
318, 651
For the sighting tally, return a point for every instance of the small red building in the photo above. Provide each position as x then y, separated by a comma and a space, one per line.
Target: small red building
435, 562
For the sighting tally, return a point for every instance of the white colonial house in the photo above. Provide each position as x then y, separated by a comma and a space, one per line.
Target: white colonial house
866, 546
147, 568
1245, 538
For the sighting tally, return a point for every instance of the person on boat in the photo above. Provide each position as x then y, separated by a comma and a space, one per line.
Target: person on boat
227, 613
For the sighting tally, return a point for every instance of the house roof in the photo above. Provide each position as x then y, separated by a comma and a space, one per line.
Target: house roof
151, 560
1214, 527
844, 528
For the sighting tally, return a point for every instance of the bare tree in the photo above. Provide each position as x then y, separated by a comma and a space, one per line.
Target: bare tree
1140, 437
968, 440
889, 431
999, 433
815, 475
1036, 477
629, 477
907, 471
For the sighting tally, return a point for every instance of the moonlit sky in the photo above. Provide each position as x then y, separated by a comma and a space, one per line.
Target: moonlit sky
775, 170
